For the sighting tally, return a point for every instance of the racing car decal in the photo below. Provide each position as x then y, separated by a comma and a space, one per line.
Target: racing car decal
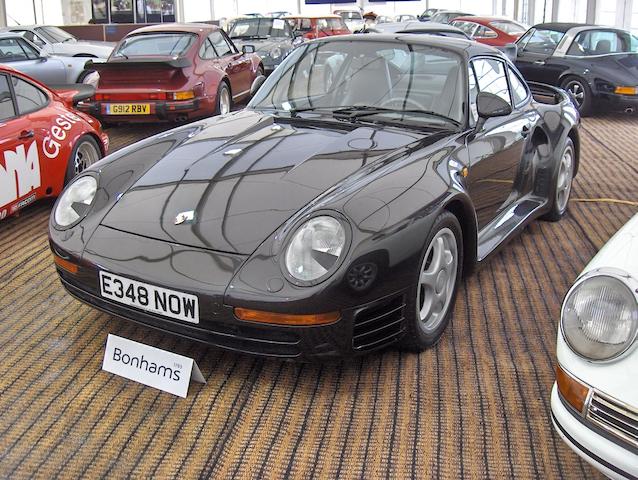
20, 174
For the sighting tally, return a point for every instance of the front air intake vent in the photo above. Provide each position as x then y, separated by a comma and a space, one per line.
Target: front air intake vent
378, 324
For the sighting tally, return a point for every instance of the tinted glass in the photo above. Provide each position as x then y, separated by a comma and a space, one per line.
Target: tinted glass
54, 34
519, 90
258, 28
484, 32
466, 27
399, 77
490, 75
163, 44
14, 50
221, 46
28, 97
32, 37
6, 104
542, 41
508, 27
602, 42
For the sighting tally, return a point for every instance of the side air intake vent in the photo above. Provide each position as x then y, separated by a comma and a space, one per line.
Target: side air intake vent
378, 324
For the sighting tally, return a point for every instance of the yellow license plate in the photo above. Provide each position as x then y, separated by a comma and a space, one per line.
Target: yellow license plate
128, 109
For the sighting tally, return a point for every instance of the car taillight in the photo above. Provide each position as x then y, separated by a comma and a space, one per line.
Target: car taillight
100, 97
185, 95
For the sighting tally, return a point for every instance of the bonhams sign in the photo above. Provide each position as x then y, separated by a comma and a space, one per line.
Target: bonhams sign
151, 366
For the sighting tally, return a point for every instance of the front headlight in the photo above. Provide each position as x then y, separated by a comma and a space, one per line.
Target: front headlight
75, 202
600, 317
314, 250
275, 53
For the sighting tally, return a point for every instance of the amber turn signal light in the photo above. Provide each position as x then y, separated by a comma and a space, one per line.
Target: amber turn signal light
65, 264
285, 318
571, 389
626, 90
186, 95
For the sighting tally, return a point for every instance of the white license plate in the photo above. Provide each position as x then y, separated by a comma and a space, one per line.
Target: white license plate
170, 303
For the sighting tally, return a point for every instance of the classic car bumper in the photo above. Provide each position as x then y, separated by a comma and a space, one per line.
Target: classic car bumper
620, 102
159, 110
605, 455
360, 329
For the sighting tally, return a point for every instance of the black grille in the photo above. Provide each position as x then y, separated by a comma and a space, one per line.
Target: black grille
379, 324
618, 419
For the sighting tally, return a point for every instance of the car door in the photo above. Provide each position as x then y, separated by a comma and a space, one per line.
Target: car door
23, 56
21, 133
495, 149
535, 58
237, 66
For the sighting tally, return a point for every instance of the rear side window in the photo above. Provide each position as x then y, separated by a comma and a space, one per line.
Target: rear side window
7, 110
490, 75
519, 90
542, 41
28, 97
222, 47
602, 42
484, 32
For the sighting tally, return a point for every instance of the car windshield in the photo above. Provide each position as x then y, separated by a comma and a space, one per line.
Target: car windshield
603, 42
445, 17
258, 28
511, 28
169, 44
54, 34
347, 15
541, 41
381, 81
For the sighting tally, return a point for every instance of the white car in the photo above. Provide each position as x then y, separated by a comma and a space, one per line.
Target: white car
352, 18
595, 397
55, 41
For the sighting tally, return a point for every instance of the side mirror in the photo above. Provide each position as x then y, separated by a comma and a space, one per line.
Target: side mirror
489, 105
248, 49
511, 51
257, 82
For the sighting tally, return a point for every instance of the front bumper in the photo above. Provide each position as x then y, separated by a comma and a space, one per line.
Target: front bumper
159, 110
603, 454
361, 329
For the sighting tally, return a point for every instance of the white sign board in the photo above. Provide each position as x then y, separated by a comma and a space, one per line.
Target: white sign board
151, 366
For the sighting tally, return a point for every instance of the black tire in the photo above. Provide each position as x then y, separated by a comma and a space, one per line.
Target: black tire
83, 143
580, 92
559, 205
417, 337
83, 75
221, 90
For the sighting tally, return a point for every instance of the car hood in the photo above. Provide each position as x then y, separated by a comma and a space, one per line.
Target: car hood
239, 177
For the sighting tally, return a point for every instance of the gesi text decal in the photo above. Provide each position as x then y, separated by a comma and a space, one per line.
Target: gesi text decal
51, 144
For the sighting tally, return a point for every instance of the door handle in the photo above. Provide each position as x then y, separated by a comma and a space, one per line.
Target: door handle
539, 62
24, 134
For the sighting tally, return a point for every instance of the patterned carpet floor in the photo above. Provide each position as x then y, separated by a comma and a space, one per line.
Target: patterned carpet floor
475, 406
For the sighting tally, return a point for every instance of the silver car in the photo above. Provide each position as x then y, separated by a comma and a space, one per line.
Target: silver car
56, 41
17, 52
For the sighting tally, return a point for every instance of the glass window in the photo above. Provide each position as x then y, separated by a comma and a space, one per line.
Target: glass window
32, 37
28, 97
484, 32
542, 41
602, 42
99, 10
518, 88
15, 50
122, 11
165, 44
221, 46
473, 91
467, 27
259, 28
206, 51
54, 34
490, 75
7, 109
511, 28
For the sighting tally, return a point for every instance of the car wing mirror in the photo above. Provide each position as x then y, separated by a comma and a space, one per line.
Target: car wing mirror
511, 51
248, 49
489, 105
257, 83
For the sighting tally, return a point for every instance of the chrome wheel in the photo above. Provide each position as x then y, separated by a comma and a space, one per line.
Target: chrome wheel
85, 156
224, 101
577, 91
564, 180
437, 280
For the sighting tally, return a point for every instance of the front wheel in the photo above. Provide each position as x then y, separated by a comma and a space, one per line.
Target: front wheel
563, 184
431, 299
85, 153
224, 100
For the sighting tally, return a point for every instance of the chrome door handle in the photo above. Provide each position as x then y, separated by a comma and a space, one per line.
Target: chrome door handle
24, 134
539, 62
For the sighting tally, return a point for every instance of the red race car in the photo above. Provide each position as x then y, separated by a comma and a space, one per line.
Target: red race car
173, 72
44, 142
494, 31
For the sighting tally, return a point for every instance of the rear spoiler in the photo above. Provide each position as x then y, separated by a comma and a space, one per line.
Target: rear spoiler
121, 63
75, 92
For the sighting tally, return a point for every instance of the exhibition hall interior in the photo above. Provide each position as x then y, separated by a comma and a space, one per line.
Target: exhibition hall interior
319, 239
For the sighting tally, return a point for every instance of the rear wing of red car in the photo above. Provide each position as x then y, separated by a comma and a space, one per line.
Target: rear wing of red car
121, 63
74, 93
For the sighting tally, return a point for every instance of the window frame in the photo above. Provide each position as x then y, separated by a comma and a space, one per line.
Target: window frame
7, 77
505, 66
15, 98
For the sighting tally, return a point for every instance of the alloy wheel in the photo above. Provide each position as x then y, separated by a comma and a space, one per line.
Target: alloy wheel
437, 279
577, 91
564, 180
224, 101
85, 156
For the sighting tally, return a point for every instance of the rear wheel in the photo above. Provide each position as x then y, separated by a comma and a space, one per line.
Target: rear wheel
431, 301
580, 92
85, 153
563, 184
224, 100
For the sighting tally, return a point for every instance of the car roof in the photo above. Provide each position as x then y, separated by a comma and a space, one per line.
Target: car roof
177, 27
461, 46
563, 27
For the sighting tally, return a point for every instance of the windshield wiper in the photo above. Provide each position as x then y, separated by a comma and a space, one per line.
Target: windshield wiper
354, 112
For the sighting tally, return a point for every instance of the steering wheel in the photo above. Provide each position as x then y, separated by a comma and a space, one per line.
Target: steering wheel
400, 102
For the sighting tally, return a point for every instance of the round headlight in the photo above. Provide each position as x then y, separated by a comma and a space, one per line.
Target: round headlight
600, 317
75, 202
275, 53
315, 248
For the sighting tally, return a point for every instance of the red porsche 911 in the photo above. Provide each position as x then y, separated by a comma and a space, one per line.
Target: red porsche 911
44, 142
173, 72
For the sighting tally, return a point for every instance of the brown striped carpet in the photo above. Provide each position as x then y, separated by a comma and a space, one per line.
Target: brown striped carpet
476, 406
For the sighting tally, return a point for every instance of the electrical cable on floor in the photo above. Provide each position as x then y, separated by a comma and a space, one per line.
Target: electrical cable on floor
605, 200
